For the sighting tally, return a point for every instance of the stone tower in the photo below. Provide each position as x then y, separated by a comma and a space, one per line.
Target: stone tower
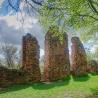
78, 57
30, 55
57, 64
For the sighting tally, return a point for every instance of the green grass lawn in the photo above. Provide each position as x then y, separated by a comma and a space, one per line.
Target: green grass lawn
68, 88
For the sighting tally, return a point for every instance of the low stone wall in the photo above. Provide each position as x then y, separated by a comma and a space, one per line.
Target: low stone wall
12, 76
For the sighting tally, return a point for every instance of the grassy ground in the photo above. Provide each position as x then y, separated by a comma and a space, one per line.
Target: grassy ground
68, 88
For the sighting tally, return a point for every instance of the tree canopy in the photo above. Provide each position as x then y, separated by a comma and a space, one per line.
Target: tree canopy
77, 14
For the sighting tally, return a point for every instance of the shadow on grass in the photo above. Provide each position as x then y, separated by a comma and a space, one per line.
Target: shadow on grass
81, 78
38, 86
12, 88
49, 85
45, 85
94, 74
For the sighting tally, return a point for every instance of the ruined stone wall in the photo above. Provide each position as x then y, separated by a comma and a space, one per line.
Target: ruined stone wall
57, 65
12, 76
92, 66
30, 62
30, 71
78, 57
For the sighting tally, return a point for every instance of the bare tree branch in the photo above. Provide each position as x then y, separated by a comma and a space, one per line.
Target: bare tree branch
36, 2
39, 3
13, 7
28, 3
9, 53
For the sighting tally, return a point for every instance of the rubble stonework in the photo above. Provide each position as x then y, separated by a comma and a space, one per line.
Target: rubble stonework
12, 76
92, 66
78, 57
57, 64
30, 62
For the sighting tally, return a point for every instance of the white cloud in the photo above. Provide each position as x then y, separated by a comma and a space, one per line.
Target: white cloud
1, 1
17, 19
11, 30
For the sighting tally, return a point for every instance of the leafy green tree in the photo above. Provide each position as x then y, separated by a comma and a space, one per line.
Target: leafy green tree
76, 14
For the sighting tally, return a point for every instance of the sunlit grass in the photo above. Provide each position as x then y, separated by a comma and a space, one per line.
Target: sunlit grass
67, 88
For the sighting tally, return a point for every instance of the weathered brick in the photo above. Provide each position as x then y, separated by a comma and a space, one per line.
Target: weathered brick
57, 64
92, 66
30, 62
78, 57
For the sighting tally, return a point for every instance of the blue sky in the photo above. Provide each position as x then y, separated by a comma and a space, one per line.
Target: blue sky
5, 9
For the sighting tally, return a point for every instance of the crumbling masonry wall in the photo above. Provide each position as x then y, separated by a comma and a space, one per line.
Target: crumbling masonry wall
57, 64
30, 71
30, 62
78, 57
12, 76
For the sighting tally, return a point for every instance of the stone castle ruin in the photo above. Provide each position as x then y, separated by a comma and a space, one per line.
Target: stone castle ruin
30, 61
30, 71
57, 63
78, 57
